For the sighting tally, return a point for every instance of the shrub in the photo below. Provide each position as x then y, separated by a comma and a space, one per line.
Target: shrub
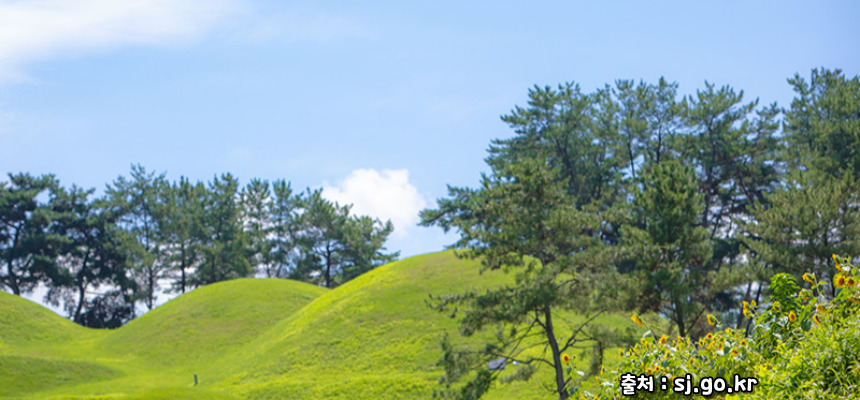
802, 346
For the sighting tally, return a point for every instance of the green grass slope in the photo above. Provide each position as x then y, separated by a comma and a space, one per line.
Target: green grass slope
21, 375
38, 349
202, 325
154, 356
24, 322
371, 338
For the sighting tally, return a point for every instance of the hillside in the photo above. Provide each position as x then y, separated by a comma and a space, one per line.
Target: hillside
372, 338
151, 356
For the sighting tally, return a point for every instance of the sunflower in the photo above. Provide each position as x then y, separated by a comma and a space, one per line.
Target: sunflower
565, 358
710, 336
850, 281
777, 307
808, 278
636, 319
839, 280
817, 319
746, 310
743, 342
792, 316
836, 260
711, 319
662, 340
821, 309
735, 352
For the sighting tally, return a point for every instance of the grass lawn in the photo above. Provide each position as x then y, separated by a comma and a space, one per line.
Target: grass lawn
371, 338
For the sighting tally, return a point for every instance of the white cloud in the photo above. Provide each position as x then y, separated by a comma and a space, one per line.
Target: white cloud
385, 194
42, 29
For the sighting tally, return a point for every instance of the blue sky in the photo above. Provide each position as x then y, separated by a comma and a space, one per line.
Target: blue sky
382, 103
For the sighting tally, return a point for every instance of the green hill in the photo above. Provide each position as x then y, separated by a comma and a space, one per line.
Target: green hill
371, 338
196, 329
25, 322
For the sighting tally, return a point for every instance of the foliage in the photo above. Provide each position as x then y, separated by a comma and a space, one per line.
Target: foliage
564, 128
802, 346
824, 121
336, 246
257, 218
670, 249
95, 253
283, 237
139, 205
226, 254
27, 248
521, 221
812, 216
183, 229
100, 257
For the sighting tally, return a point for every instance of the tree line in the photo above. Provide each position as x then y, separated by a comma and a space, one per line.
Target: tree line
99, 257
633, 197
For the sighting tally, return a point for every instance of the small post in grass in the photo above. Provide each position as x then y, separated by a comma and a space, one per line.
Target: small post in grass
195, 379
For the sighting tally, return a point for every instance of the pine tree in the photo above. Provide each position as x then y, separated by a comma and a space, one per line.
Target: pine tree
824, 121
669, 247
183, 230
334, 245
139, 201
811, 217
522, 220
225, 250
257, 217
27, 248
96, 254
365, 238
286, 225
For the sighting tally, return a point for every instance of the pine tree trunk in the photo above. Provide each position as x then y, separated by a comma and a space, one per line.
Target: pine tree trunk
556, 356
81, 299
11, 280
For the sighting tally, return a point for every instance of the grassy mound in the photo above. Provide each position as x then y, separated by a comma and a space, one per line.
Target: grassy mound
202, 325
154, 356
23, 321
372, 338
372, 333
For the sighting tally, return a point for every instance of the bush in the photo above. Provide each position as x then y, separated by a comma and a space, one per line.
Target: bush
802, 346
